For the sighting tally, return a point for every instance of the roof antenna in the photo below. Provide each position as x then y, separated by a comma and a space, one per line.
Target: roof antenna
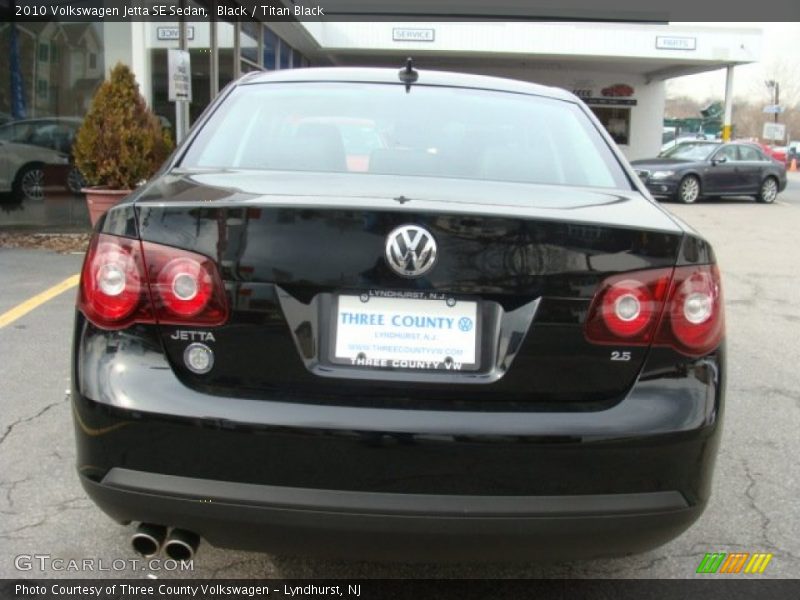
408, 75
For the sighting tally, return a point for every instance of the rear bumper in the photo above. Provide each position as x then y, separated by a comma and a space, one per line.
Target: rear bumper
318, 479
389, 526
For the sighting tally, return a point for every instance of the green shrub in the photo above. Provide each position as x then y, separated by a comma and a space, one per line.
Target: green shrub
121, 142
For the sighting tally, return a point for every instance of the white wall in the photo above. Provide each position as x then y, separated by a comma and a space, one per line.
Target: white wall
117, 44
124, 42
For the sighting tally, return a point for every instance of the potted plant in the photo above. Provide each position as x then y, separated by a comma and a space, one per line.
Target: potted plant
120, 144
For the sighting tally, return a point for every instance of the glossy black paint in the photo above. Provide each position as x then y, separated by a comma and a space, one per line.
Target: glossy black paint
545, 414
661, 436
717, 177
644, 442
508, 245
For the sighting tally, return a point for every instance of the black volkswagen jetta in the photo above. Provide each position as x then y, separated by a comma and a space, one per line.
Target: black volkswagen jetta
365, 316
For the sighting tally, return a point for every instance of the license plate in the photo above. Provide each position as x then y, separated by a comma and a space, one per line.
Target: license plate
406, 333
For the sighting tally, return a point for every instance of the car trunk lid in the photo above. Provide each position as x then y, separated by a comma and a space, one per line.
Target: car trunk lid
523, 260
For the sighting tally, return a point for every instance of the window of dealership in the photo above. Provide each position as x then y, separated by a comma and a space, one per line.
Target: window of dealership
54, 70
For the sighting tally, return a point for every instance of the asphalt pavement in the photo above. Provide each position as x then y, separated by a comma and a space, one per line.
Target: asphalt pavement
754, 507
791, 195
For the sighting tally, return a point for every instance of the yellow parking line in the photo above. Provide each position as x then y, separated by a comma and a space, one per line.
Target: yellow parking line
24, 308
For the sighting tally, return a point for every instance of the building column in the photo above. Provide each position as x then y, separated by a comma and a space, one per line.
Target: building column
140, 59
182, 106
237, 49
213, 67
727, 123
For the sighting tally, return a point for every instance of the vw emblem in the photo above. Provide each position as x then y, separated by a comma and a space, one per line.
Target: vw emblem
410, 250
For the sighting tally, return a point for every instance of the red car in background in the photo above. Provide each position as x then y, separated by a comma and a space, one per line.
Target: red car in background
775, 153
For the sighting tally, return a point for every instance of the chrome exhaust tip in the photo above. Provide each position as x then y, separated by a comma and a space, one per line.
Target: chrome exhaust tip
181, 545
148, 539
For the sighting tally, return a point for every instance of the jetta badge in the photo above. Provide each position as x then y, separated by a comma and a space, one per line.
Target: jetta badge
410, 250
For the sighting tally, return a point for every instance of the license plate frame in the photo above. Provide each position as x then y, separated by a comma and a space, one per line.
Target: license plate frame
421, 304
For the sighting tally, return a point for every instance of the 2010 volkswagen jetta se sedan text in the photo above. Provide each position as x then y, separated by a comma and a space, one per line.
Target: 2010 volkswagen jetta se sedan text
398, 315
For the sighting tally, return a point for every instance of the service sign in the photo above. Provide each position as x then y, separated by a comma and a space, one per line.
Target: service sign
173, 33
404, 34
405, 333
179, 75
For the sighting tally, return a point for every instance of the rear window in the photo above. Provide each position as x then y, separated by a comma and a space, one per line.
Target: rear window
750, 153
429, 131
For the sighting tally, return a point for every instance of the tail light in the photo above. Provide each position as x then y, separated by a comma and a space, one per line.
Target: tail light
113, 290
694, 321
680, 307
125, 281
626, 308
185, 287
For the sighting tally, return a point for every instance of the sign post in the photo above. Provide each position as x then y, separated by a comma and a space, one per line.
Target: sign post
179, 71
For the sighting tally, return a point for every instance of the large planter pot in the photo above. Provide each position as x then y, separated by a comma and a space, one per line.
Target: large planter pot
100, 199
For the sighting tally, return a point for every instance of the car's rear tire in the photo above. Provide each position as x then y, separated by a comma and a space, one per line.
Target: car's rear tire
768, 191
75, 181
688, 190
29, 183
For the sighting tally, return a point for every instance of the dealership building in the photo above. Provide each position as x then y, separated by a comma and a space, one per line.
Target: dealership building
618, 68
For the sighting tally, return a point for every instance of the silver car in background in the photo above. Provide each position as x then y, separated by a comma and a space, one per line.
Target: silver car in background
35, 153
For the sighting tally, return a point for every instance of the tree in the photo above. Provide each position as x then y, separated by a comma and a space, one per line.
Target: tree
121, 142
